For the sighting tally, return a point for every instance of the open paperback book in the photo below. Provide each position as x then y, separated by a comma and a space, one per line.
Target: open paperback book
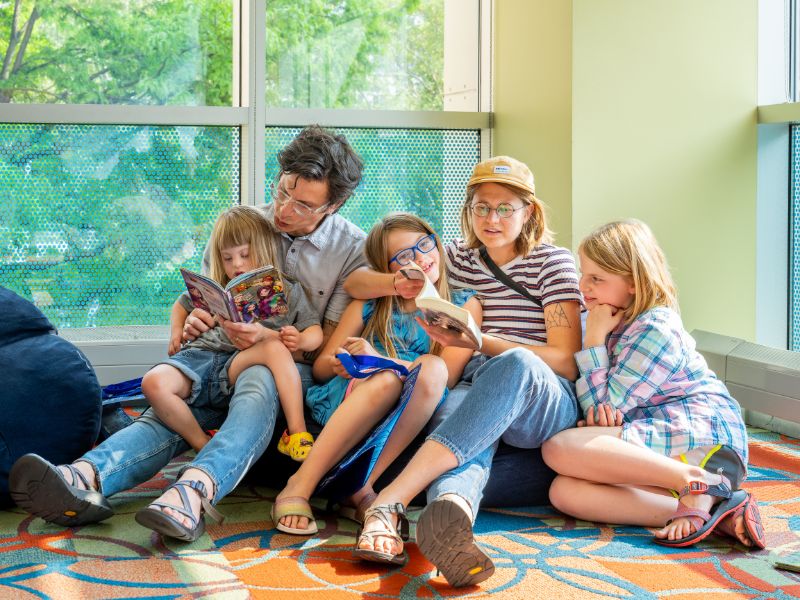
253, 296
438, 311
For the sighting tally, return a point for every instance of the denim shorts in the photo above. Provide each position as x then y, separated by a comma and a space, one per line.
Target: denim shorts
208, 372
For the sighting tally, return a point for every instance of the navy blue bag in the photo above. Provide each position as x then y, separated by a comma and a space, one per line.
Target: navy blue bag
49, 397
352, 472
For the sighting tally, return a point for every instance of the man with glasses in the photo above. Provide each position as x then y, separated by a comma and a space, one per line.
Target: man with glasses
318, 173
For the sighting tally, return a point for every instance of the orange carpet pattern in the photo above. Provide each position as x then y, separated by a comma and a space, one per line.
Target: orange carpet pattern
538, 553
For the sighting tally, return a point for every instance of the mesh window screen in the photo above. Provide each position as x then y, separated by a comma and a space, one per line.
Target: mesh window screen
96, 219
419, 171
794, 243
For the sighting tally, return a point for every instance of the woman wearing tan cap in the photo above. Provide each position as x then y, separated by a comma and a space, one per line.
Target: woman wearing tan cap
518, 388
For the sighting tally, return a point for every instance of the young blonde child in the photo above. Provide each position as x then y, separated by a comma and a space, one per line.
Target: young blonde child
387, 327
663, 443
242, 240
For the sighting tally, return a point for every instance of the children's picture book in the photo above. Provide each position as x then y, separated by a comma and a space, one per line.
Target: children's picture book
250, 297
438, 311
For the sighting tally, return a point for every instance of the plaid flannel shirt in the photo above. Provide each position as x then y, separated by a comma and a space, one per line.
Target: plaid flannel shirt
670, 400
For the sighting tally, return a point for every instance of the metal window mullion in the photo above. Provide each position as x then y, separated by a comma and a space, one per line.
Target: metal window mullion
253, 140
389, 119
91, 114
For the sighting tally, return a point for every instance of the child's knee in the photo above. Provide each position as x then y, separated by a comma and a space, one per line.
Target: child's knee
162, 380
432, 376
562, 494
556, 449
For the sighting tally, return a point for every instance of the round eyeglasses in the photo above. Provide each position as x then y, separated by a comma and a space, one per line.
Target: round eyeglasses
504, 211
407, 255
282, 198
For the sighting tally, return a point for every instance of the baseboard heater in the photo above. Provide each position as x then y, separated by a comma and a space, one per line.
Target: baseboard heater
765, 381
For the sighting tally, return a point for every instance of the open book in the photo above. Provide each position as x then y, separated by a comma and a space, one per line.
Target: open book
252, 296
440, 312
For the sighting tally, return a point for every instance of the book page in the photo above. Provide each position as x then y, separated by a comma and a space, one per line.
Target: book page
207, 294
441, 313
258, 294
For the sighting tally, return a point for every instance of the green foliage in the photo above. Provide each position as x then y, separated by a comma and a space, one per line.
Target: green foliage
384, 54
116, 51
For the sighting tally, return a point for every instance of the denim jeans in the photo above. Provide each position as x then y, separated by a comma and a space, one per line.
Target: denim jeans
514, 397
136, 453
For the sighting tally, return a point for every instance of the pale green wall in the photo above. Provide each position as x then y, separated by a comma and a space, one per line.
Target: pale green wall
663, 128
532, 86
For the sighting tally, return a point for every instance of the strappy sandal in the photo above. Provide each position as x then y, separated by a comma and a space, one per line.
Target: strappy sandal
383, 513
752, 523
297, 446
160, 522
40, 488
444, 536
704, 522
293, 506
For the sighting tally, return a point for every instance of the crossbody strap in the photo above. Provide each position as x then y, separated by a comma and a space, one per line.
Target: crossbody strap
503, 277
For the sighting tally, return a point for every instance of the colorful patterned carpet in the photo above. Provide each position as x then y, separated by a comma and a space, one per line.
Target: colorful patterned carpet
538, 553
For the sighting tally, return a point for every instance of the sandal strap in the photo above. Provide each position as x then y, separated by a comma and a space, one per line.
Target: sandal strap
690, 513
76, 475
205, 503
382, 512
696, 488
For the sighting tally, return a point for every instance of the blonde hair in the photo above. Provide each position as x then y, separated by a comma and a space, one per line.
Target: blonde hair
237, 226
377, 253
534, 231
628, 248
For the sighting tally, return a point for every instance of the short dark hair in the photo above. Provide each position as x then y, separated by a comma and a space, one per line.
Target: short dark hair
317, 154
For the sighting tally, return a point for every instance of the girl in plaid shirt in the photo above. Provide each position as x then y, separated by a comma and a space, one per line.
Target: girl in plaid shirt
662, 441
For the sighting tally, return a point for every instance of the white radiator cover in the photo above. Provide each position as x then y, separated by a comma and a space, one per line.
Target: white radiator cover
120, 353
765, 381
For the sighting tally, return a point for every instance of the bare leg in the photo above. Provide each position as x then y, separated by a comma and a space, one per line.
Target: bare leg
428, 390
431, 460
598, 455
166, 389
616, 504
272, 354
353, 419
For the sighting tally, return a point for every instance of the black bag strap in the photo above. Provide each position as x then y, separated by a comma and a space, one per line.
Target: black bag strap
503, 277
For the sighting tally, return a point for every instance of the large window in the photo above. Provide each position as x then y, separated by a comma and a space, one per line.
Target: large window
127, 125
116, 52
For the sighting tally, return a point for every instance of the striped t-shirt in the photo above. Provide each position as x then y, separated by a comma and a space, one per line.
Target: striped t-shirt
548, 273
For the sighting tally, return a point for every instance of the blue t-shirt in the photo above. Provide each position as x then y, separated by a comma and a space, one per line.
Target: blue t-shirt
410, 340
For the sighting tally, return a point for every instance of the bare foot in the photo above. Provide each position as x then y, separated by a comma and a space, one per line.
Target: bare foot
685, 526
381, 541
293, 488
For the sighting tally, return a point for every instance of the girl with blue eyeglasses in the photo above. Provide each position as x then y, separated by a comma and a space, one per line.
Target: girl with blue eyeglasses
387, 326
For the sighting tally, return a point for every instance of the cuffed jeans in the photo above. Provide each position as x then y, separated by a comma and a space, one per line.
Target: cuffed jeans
514, 397
137, 452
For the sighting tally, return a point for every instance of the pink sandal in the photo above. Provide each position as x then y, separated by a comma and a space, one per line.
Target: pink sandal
752, 523
704, 522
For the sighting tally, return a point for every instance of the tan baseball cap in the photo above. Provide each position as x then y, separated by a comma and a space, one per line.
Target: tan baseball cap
503, 169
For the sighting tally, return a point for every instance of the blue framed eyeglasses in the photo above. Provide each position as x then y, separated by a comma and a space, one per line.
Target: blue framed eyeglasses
407, 255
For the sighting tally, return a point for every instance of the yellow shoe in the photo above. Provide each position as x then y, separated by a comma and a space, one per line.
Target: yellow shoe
297, 446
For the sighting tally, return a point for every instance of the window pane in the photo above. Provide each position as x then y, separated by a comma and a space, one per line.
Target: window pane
419, 171
376, 54
116, 52
794, 243
96, 220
